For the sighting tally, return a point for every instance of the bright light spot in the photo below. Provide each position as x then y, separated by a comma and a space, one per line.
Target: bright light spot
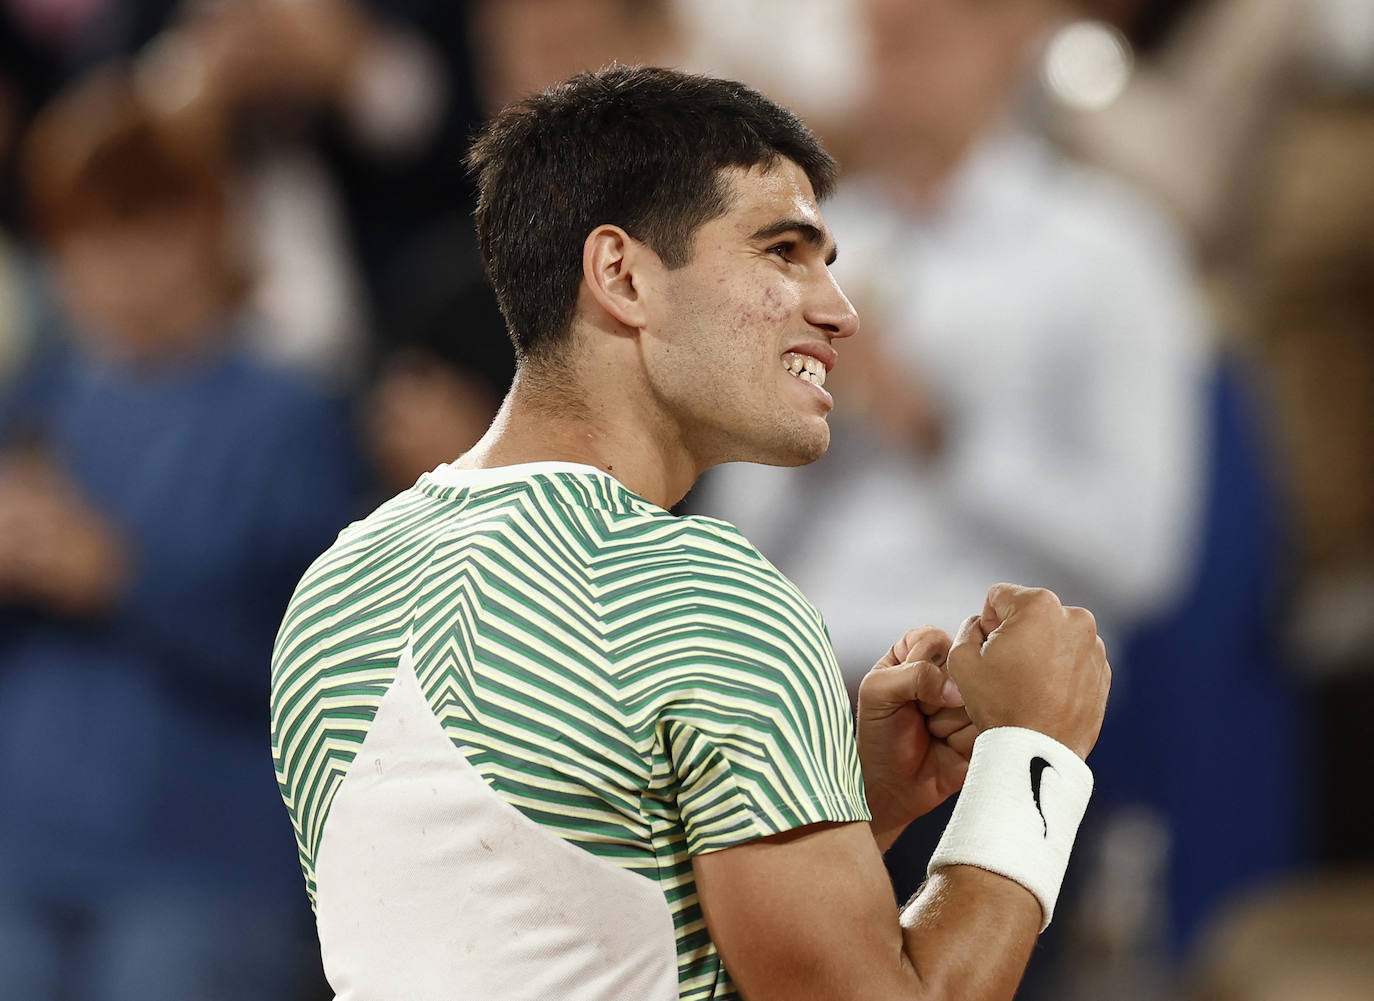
1087, 64
169, 74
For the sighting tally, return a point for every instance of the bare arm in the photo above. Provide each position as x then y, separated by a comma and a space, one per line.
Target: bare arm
809, 915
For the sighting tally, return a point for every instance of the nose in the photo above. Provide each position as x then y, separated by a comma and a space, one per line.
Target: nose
830, 309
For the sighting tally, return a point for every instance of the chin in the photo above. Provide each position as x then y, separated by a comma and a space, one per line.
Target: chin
798, 449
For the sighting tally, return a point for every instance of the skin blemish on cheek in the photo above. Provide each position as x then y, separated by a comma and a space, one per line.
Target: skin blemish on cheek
774, 308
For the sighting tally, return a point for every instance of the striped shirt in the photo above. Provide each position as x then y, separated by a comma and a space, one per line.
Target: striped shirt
507, 709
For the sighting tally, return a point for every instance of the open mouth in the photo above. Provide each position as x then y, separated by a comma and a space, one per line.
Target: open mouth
804, 367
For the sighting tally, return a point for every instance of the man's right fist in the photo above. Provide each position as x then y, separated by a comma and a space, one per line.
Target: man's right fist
1029, 661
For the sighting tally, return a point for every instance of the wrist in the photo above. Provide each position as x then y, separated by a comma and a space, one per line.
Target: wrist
1019, 812
890, 810
885, 835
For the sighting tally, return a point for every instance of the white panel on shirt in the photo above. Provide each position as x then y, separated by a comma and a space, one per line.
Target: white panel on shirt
431, 886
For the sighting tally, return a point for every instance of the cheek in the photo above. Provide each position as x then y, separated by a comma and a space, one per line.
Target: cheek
769, 308
776, 307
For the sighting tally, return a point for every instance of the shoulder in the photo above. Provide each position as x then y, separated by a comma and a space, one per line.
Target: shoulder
723, 553
714, 598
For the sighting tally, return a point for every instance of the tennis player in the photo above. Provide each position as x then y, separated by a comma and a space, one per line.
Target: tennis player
541, 739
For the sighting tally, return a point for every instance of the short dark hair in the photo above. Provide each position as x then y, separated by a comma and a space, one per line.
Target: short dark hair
632, 146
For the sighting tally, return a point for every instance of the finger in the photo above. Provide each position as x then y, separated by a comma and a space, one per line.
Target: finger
970, 632
894, 655
948, 767
947, 721
927, 640
961, 741
890, 687
968, 644
934, 686
998, 605
1003, 600
926, 643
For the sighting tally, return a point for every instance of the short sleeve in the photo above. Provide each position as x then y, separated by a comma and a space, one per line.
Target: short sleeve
754, 724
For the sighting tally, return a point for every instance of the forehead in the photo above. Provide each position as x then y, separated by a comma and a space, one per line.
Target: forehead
761, 195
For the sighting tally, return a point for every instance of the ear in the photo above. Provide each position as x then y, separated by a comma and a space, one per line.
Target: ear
614, 269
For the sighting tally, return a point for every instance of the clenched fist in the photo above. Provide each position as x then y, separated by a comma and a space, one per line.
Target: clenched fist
1030, 661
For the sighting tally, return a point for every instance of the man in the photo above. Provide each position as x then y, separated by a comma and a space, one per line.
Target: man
161, 491
542, 739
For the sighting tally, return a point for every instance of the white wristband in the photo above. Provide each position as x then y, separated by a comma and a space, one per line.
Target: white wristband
1019, 811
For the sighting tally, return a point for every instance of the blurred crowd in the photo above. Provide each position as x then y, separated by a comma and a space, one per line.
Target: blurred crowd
1115, 263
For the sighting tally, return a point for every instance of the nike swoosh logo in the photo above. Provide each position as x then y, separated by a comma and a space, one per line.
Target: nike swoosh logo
1037, 769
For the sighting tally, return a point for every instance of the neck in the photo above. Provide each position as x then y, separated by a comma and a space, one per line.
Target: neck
540, 423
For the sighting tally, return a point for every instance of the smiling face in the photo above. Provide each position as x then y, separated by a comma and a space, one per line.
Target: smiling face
739, 341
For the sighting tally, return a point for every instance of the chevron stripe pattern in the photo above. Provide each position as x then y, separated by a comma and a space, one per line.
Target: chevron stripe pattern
644, 685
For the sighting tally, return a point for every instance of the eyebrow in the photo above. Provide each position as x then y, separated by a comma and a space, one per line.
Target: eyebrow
810, 233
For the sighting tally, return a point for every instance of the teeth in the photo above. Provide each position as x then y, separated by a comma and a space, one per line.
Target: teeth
805, 368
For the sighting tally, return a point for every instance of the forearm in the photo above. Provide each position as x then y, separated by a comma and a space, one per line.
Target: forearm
885, 836
995, 876
808, 914
968, 934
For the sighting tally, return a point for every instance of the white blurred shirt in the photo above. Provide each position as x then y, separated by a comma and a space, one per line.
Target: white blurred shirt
1055, 317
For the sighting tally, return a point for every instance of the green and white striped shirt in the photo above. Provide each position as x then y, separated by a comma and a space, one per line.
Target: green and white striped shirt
644, 687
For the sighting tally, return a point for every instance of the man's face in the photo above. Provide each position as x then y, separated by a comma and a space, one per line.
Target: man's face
128, 281
740, 341
940, 69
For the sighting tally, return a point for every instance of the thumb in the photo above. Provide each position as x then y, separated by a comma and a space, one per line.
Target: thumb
971, 633
889, 688
968, 646
1000, 603
934, 687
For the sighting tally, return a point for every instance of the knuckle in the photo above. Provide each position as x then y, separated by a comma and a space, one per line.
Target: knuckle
1080, 614
1082, 619
866, 685
958, 654
915, 634
924, 639
872, 682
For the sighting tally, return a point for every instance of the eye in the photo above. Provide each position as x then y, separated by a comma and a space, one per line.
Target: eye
783, 250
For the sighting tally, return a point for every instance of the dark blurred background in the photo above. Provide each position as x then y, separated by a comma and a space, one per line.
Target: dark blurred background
1115, 260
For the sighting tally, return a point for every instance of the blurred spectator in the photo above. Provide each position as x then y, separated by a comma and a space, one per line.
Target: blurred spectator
348, 119
1251, 118
724, 38
1027, 399
44, 44
1298, 940
1204, 87
523, 46
447, 368
160, 493
447, 362
1026, 403
15, 322
1312, 269
15, 306
312, 94
1199, 101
